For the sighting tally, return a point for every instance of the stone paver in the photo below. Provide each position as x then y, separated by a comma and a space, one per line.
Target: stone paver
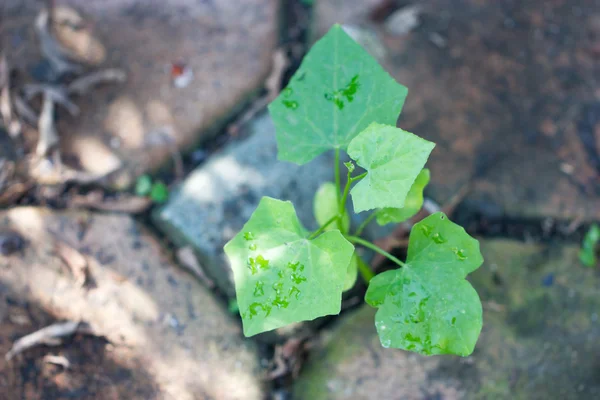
217, 199
227, 45
155, 315
509, 95
539, 339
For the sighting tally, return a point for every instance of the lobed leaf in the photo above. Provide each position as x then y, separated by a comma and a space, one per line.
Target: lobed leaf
280, 276
336, 93
325, 207
412, 204
427, 306
393, 158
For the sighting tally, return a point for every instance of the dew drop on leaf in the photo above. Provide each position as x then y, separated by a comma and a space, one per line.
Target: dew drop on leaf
249, 236
252, 246
426, 229
291, 104
438, 238
258, 289
288, 92
295, 291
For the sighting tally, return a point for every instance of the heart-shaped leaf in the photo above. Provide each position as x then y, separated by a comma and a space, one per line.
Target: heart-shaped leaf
427, 306
412, 204
393, 158
338, 90
280, 276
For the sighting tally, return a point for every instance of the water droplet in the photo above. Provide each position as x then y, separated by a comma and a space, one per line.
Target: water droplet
460, 253
278, 287
291, 104
252, 246
262, 262
280, 274
296, 291
249, 236
297, 278
453, 321
251, 264
281, 302
426, 229
386, 343
438, 238
287, 92
258, 289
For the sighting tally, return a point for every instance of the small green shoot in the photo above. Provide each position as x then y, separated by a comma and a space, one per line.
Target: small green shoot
587, 254
157, 190
143, 185
341, 99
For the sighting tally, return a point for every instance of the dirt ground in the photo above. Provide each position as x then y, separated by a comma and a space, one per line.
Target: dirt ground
509, 91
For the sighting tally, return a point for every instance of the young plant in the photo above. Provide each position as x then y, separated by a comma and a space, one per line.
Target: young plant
587, 254
341, 99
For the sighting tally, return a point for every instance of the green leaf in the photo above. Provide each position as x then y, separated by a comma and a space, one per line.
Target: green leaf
336, 93
280, 276
412, 204
325, 207
393, 158
427, 306
587, 255
143, 185
159, 193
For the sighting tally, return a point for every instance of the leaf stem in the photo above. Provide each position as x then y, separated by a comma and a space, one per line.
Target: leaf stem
323, 227
375, 248
365, 271
338, 188
364, 224
357, 177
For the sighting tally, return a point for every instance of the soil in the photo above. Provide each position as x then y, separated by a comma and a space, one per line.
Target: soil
93, 372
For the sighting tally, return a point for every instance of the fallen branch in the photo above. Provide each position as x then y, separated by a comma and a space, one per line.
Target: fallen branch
51, 335
48, 137
123, 203
82, 85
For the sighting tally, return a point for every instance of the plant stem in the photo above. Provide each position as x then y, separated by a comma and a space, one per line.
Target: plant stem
357, 177
338, 184
338, 188
375, 248
364, 269
364, 224
323, 227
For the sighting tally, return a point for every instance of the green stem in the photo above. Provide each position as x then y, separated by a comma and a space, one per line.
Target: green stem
357, 177
323, 227
364, 269
338, 187
338, 184
364, 224
375, 248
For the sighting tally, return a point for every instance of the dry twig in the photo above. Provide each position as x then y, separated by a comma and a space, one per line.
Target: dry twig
57, 360
123, 203
51, 335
